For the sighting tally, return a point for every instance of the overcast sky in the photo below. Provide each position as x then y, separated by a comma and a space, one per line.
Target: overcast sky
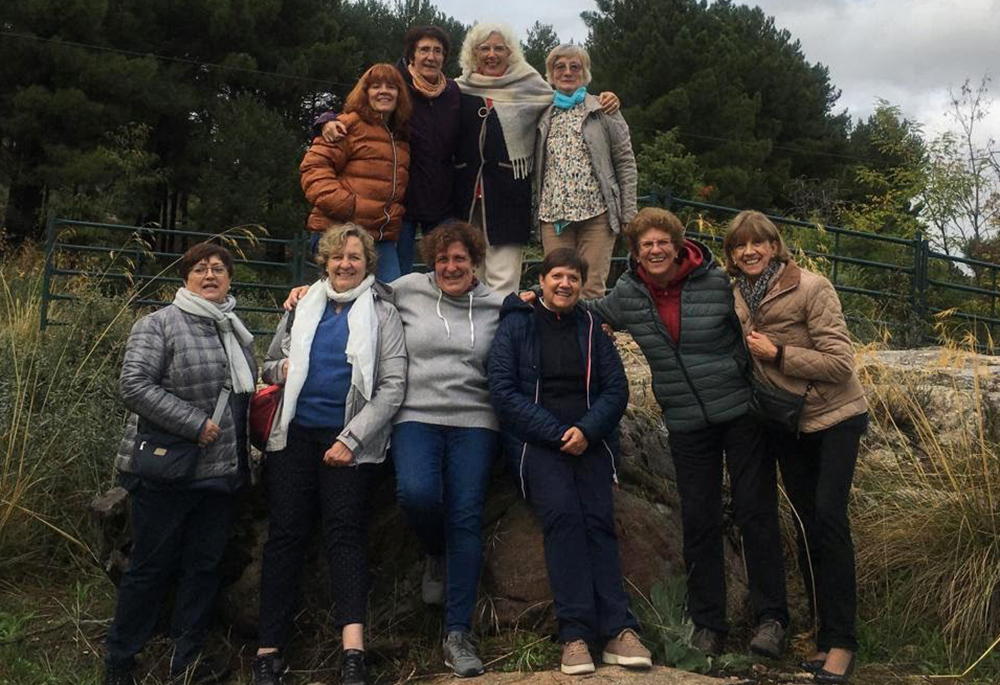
909, 52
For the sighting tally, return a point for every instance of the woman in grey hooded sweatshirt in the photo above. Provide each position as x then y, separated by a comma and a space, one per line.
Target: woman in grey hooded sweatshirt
445, 434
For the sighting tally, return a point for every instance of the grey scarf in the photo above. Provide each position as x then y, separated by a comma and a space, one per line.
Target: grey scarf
232, 332
753, 292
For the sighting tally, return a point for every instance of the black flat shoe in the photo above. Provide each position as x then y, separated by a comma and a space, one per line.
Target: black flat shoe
812, 665
824, 676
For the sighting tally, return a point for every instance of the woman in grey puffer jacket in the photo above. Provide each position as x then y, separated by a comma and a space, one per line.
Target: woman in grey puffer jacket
178, 361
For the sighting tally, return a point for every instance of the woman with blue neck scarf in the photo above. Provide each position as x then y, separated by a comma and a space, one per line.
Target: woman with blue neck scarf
585, 173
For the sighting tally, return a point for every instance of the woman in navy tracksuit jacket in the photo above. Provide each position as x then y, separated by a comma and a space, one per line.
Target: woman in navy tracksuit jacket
571, 494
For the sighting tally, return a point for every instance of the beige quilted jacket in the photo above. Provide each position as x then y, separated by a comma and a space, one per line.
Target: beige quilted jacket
802, 312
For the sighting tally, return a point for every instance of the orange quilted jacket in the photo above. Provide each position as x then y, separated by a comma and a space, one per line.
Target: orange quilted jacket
361, 178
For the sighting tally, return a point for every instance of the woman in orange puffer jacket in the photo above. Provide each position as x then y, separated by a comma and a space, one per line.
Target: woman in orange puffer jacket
363, 176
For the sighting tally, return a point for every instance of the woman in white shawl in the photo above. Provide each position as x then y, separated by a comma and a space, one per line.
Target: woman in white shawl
502, 99
343, 367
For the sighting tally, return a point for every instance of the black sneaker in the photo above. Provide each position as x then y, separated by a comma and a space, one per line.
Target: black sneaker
115, 675
268, 669
352, 668
707, 641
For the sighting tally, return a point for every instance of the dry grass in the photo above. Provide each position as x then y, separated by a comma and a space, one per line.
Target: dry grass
926, 511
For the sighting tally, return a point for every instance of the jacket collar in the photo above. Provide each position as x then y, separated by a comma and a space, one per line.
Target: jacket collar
788, 278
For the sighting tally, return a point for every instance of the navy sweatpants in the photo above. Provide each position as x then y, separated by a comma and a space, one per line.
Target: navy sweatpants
573, 497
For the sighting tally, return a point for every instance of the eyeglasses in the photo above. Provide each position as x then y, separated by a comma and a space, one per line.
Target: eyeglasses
486, 49
430, 50
216, 270
646, 245
574, 68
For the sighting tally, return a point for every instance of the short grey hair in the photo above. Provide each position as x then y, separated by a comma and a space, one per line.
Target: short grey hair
478, 35
570, 50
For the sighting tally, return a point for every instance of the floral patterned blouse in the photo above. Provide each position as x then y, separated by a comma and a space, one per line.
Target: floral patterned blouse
569, 187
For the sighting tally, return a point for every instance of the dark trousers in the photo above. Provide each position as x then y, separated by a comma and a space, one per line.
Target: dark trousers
573, 498
177, 534
817, 470
442, 474
698, 457
298, 484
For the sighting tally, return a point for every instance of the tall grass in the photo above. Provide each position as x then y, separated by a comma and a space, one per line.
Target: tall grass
927, 504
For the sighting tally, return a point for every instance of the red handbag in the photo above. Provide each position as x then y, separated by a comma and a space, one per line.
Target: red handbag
263, 407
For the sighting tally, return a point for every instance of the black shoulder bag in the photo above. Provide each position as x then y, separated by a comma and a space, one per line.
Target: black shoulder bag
774, 407
167, 458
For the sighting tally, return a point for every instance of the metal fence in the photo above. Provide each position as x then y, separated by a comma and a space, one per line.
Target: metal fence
887, 282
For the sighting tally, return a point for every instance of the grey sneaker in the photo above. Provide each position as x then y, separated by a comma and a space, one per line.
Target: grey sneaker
432, 584
576, 659
769, 639
707, 641
626, 649
460, 655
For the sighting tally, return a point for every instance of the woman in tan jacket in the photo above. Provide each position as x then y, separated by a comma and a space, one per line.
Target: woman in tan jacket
362, 177
798, 340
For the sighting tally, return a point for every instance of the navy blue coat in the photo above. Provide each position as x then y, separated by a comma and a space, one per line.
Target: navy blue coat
514, 377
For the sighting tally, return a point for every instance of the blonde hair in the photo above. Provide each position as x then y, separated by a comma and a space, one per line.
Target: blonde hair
333, 240
570, 50
477, 35
751, 225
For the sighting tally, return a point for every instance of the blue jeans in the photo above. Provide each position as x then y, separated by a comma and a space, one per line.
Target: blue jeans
387, 261
177, 535
406, 244
442, 473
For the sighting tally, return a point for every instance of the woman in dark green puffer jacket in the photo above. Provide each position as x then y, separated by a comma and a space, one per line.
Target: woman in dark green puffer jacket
678, 306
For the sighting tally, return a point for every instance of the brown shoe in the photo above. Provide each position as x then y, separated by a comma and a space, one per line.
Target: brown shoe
627, 650
576, 658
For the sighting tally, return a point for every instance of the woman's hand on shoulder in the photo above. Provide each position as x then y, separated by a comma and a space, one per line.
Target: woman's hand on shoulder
339, 455
294, 296
609, 102
333, 131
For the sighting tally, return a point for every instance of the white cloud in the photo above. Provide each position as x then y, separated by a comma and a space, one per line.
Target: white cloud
909, 52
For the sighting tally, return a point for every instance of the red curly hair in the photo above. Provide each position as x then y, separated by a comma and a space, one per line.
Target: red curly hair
357, 99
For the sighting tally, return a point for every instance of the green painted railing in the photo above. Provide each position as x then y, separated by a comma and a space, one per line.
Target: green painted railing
897, 284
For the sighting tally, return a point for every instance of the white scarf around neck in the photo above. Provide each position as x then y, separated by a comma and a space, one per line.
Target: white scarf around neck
519, 97
362, 339
232, 332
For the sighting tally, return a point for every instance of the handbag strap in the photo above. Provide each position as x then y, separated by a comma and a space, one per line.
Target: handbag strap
220, 404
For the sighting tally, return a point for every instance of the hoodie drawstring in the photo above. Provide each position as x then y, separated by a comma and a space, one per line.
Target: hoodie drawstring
472, 324
447, 328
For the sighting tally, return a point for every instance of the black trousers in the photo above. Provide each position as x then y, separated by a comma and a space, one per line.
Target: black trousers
572, 495
817, 470
178, 534
698, 457
299, 485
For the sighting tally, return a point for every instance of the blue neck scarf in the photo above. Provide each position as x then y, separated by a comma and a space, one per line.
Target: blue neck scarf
568, 101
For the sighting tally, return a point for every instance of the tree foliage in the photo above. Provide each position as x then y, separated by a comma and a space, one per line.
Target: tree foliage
537, 45
739, 91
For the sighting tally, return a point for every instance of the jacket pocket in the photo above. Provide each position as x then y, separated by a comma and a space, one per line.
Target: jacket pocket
505, 165
461, 165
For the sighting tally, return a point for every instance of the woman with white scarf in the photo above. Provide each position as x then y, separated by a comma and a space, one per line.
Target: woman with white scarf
188, 372
342, 362
502, 99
